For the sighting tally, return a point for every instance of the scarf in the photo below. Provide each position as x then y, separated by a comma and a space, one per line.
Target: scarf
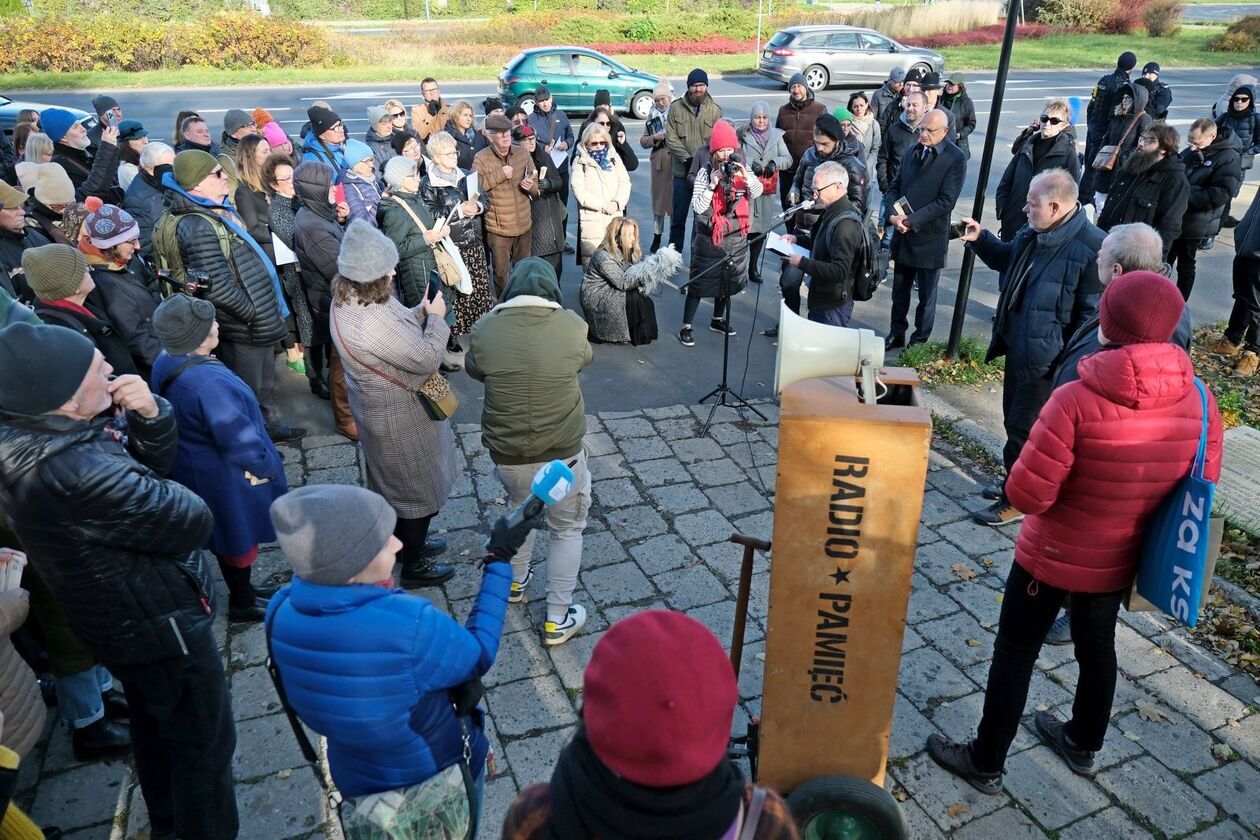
438, 178
589, 800
760, 138
721, 222
600, 156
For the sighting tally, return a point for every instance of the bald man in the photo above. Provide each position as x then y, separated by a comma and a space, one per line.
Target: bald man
922, 195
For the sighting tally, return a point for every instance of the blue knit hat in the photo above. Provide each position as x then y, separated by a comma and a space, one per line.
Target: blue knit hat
56, 122
357, 151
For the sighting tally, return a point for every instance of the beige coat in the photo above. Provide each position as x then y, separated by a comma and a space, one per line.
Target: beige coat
410, 458
20, 700
595, 189
509, 213
425, 123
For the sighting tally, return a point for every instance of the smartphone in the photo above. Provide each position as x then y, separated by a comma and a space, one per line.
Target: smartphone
957, 230
435, 284
339, 194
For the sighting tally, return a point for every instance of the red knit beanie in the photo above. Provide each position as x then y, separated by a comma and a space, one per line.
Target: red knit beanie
1140, 307
658, 699
723, 137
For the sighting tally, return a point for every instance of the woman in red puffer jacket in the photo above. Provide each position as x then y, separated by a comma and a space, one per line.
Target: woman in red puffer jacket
1105, 453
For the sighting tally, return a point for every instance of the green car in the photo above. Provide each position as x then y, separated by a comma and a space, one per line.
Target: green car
573, 74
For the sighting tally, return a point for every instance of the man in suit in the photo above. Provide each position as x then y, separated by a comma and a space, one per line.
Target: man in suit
929, 180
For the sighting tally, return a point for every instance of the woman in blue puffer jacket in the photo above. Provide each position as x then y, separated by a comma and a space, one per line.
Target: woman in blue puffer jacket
371, 666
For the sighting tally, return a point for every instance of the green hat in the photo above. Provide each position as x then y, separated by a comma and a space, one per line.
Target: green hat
54, 272
843, 114
192, 166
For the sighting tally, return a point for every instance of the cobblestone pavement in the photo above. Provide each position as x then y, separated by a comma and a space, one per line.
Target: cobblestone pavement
664, 502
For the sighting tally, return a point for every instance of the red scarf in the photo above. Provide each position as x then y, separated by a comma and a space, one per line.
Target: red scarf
721, 224
71, 306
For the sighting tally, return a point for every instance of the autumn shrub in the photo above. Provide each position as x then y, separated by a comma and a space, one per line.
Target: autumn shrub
1241, 36
1163, 18
706, 45
1078, 15
985, 35
908, 21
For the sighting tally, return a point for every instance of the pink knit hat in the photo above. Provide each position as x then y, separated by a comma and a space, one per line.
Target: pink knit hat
723, 137
275, 134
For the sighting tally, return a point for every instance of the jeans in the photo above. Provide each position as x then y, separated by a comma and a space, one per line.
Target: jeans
925, 316
257, 366
692, 302
1029, 608
682, 209
884, 210
79, 696
183, 737
1024, 392
566, 520
836, 316
1244, 318
1182, 254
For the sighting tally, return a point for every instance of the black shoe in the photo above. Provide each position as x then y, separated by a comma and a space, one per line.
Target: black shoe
569, 249
991, 491
1050, 729
956, 758
773, 332
425, 573
754, 277
101, 740
320, 388
433, 546
116, 705
1000, 513
687, 337
1229, 222
1206, 244
894, 342
265, 592
285, 434
454, 346
248, 613
656, 243
721, 326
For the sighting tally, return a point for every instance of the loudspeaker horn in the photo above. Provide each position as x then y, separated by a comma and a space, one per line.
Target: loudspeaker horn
808, 350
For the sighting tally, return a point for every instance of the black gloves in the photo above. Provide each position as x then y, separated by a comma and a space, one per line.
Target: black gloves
769, 169
505, 540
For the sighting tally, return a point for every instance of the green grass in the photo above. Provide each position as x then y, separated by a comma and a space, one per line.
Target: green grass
969, 368
1185, 49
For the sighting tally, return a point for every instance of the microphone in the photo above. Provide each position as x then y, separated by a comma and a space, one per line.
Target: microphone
804, 205
551, 484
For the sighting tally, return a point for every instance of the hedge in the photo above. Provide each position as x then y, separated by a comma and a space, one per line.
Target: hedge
985, 35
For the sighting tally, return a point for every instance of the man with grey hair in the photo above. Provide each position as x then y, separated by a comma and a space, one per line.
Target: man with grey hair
834, 241
1048, 287
145, 196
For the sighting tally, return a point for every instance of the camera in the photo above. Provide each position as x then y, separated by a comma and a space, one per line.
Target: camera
198, 283
730, 168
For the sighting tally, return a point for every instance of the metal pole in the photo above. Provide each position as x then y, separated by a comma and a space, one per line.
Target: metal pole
757, 54
986, 161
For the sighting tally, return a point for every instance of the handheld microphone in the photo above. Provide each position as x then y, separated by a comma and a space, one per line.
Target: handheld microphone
804, 205
551, 484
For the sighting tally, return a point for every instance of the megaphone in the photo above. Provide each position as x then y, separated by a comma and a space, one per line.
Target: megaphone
808, 350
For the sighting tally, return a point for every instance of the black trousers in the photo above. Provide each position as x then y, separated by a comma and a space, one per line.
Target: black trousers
1029, 608
682, 212
183, 737
1182, 254
1023, 395
257, 366
1244, 318
692, 303
904, 280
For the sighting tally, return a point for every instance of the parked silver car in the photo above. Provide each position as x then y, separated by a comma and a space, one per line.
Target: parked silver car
840, 55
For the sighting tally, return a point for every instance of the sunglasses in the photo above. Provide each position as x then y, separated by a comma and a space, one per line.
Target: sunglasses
595, 143
1052, 120
1241, 99
603, 123
397, 115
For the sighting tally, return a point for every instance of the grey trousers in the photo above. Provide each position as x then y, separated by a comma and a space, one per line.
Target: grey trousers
257, 366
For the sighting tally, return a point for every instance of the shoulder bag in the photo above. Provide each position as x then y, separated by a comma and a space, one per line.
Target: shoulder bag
435, 394
1173, 563
1109, 156
442, 807
450, 263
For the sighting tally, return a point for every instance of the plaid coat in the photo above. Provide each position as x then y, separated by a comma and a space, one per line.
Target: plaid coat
410, 458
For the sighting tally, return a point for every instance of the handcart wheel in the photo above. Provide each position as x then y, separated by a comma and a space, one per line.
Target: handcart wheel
845, 808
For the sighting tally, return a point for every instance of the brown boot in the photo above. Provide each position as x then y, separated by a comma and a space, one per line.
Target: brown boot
1224, 347
1247, 364
342, 418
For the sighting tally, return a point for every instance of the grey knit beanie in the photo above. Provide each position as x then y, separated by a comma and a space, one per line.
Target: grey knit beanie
376, 113
398, 169
182, 322
331, 532
366, 254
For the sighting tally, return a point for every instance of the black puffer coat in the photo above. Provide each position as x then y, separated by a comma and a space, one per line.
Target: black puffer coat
91, 174
241, 289
128, 298
11, 247
849, 154
1215, 174
415, 256
442, 198
1157, 197
317, 242
96, 328
117, 545
547, 209
144, 200
1012, 190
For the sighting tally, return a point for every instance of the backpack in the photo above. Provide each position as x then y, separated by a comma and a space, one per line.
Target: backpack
870, 263
172, 275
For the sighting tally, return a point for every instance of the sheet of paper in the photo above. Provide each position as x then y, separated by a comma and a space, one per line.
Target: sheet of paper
559, 156
779, 245
284, 255
474, 190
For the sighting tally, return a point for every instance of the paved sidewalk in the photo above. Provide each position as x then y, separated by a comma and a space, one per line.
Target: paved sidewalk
664, 502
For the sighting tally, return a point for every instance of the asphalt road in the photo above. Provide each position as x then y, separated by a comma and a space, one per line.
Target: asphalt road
1219, 12
666, 373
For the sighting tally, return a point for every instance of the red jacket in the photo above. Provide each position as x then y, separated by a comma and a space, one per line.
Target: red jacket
1103, 455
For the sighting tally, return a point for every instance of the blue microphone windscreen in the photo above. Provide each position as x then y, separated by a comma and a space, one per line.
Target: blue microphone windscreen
553, 482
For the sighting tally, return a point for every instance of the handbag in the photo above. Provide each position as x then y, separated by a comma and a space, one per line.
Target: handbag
1172, 565
435, 393
1248, 160
1109, 156
442, 807
450, 263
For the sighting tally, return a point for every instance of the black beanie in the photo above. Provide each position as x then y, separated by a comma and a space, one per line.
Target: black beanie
398, 141
828, 126
1126, 62
602, 97
321, 118
41, 367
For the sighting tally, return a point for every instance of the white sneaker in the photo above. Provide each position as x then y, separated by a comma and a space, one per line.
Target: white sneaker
517, 593
557, 633
1061, 631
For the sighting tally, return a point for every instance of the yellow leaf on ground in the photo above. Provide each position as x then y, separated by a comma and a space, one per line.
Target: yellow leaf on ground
963, 571
973, 643
1150, 711
957, 809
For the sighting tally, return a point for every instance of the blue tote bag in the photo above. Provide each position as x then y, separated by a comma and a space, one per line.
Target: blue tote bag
1173, 563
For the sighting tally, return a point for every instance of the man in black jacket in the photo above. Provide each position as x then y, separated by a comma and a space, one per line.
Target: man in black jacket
1102, 102
146, 198
120, 548
16, 235
1049, 286
902, 134
1151, 186
928, 181
1161, 94
243, 285
92, 174
834, 243
1214, 172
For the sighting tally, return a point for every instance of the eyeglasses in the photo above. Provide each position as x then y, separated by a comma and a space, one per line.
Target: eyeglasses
398, 115
337, 127
1052, 120
595, 143
1146, 141
929, 131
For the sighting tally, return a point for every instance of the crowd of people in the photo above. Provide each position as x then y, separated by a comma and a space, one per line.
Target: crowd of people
151, 293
